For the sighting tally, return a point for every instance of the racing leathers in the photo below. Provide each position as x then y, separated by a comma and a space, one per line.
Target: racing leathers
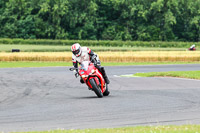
88, 55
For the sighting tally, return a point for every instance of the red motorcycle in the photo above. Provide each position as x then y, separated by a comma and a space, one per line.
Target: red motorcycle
93, 78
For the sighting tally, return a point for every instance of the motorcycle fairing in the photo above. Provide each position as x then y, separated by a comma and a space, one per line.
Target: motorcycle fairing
86, 69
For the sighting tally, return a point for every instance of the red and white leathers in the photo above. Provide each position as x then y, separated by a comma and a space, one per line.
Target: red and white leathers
81, 54
85, 55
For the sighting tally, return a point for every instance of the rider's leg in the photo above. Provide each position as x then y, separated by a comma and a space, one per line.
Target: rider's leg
104, 75
102, 70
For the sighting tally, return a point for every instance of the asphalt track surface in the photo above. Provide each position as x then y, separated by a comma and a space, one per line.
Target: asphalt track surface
37, 99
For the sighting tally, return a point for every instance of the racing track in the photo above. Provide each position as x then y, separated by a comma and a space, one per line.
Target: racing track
50, 98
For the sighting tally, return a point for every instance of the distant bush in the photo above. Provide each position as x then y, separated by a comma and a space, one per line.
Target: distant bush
100, 43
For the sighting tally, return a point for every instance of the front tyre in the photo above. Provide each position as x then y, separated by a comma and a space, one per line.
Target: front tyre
95, 88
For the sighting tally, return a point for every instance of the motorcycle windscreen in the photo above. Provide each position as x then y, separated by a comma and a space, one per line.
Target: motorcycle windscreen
85, 65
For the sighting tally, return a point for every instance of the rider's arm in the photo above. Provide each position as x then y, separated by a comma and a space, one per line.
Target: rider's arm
75, 64
91, 54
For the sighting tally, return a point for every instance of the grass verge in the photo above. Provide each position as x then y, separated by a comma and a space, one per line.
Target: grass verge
180, 74
139, 129
14, 64
33, 64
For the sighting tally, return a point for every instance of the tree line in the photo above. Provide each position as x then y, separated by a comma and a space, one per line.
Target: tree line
141, 20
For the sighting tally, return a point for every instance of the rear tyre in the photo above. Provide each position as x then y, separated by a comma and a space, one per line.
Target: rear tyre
95, 88
106, 93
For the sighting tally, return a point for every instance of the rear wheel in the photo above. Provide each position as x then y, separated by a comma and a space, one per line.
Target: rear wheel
95, 88
106, 93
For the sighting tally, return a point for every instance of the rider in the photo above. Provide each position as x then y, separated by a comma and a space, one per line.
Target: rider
81, 54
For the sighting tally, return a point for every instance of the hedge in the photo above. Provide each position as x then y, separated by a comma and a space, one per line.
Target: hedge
99, 43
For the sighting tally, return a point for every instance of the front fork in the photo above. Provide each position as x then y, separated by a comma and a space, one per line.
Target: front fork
99, 83
88, 81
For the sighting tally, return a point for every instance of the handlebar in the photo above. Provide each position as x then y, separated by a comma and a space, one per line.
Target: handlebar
73, 68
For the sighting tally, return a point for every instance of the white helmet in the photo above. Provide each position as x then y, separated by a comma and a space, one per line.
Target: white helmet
76, 49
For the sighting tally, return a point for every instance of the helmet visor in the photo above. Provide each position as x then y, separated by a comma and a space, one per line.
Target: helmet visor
76, 51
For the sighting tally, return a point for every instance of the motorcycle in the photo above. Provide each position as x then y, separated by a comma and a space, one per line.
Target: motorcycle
93, 78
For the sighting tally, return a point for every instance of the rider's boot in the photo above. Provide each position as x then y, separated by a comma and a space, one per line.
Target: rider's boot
104, 75
81, 80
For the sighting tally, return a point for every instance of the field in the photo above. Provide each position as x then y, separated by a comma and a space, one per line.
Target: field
132, 56
62, 48
108, 51
42, 45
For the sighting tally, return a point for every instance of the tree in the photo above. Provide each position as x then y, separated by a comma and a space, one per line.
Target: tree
146, 20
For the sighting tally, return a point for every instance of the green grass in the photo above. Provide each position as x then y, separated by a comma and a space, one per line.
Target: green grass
33, 64
60, 48
53, 64
144, 63
181, 74
33, 48
139, 129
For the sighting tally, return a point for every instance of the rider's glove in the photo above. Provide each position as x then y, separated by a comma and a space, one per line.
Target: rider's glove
95, 62
93, 59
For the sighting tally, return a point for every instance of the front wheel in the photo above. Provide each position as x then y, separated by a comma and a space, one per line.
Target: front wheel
95, 88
